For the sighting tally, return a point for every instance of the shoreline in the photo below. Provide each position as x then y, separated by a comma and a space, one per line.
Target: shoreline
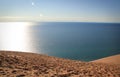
24, 64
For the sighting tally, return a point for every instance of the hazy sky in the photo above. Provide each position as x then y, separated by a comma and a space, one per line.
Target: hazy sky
60, 10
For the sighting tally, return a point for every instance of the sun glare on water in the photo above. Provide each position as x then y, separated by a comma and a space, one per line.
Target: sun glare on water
14, 36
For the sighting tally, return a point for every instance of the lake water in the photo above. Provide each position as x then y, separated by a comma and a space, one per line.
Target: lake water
72, 40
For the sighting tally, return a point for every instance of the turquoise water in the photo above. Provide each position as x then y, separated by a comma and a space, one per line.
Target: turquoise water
72, 40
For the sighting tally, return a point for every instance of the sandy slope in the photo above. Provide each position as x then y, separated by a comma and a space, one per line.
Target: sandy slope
19, 64
110, 60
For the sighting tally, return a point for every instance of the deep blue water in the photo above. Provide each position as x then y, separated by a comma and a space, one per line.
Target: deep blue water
72, 40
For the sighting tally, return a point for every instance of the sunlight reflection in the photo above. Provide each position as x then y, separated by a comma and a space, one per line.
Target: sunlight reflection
14, 36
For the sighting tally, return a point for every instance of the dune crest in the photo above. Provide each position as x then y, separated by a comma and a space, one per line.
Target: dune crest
110, 60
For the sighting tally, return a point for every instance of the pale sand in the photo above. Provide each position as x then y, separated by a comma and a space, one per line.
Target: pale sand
110, 60
19, 64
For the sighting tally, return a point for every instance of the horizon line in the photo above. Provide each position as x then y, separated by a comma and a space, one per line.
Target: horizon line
66, 21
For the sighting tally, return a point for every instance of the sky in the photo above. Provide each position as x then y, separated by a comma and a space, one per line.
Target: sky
60, 10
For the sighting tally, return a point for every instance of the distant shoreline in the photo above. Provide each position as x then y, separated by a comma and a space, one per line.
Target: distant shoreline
64, 22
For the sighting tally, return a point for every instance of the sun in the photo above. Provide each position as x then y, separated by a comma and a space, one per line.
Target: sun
33, 3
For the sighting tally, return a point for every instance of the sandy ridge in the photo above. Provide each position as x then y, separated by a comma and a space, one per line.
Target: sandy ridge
20, 64
110, 60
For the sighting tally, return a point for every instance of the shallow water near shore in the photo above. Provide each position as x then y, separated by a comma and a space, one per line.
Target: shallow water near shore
72, 40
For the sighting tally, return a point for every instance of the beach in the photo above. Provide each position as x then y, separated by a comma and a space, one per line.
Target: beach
24, 64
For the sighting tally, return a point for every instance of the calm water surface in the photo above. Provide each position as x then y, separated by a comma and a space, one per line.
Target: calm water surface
73, 40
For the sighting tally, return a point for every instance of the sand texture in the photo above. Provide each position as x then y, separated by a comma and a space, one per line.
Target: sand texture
19, 64
110, 60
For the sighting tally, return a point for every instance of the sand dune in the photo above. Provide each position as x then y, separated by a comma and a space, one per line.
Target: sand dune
20, 64
110, 60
